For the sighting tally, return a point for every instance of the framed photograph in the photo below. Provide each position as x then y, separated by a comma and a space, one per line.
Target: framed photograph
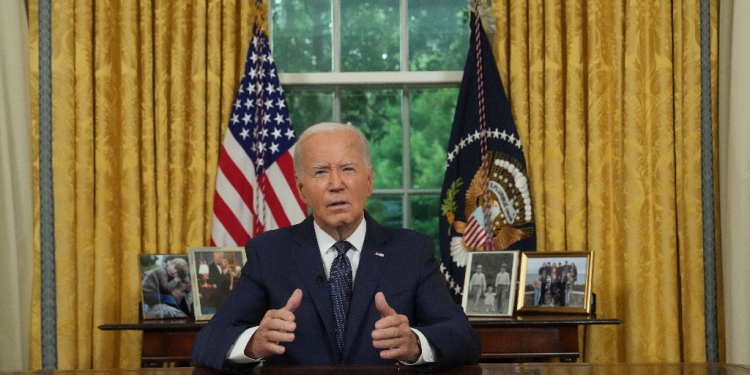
490, 283
215, 270
166, 289
556, 282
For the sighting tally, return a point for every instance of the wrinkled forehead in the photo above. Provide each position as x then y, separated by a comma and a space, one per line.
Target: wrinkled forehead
337, 146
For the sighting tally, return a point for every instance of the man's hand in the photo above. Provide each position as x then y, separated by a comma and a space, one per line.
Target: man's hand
277, 326
392, 333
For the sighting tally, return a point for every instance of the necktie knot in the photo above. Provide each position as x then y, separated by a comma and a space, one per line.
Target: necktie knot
342, 247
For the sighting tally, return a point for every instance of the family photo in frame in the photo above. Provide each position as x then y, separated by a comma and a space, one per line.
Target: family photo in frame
489, 284
555, 282
166, 288
215, 271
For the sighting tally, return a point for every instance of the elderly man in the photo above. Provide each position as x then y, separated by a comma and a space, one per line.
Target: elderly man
337, 288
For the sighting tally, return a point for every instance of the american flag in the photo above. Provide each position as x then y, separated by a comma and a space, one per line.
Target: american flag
255, 188
475, 235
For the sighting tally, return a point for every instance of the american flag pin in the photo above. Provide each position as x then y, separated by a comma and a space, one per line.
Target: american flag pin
379, 254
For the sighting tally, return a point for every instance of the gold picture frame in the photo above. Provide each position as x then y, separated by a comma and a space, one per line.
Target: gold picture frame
166, 289
556, 282
497, 272
214, 271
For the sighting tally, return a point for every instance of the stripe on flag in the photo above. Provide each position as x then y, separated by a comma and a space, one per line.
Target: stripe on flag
475, 234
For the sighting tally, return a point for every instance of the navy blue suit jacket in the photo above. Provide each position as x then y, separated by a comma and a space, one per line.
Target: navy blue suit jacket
395, 261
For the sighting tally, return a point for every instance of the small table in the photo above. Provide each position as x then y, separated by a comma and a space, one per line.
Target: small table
524, 337
164, 340
533, 336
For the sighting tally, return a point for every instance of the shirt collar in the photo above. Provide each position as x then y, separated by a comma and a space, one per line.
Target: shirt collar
325, 241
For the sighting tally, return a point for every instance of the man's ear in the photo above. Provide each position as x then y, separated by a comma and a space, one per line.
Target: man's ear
371, 180
301, 192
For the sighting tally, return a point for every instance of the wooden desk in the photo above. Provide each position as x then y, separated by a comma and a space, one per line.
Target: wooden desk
480, 369
520, 338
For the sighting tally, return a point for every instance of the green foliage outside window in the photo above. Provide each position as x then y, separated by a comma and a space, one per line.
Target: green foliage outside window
302, 35
370, 32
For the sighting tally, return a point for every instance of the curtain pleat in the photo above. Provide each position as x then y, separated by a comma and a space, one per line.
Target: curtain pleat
141, 94
35, 337
606, 97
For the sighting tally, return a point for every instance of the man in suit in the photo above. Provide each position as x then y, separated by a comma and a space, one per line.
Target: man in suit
216, 279
214, 269
290, 305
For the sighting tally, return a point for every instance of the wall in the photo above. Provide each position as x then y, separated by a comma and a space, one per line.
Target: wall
734, 159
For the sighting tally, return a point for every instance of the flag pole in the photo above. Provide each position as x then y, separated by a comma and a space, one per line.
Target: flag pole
260, 189
486, 203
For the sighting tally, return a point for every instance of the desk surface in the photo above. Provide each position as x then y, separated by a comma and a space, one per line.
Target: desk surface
529, 320
480, 369
529, 336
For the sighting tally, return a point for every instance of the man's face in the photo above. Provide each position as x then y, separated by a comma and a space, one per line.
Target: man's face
334, 181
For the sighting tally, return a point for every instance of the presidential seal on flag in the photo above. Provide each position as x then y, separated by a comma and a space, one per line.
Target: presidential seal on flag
511, 213
486, 198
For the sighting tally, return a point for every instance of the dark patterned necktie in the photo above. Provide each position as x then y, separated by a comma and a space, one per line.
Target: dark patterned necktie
341, 291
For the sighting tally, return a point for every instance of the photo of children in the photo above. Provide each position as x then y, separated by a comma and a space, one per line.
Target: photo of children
490, 288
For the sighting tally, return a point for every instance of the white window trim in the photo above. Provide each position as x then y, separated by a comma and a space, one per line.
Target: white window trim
371, 78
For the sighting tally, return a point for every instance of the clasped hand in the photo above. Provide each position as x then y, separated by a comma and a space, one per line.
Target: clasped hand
391, 333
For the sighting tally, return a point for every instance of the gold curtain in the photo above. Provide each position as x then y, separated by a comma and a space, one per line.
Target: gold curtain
607, 99
141, 93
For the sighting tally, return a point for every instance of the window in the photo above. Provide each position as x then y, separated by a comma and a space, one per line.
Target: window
391, 68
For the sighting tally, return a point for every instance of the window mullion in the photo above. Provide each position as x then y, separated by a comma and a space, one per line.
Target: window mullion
337, 104
406, 155
404, 23
405, 105
336, 36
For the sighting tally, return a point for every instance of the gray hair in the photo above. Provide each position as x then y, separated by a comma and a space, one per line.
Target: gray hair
181, 266
326, 127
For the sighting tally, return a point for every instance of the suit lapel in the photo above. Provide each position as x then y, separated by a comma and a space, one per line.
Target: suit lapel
373, 258
310, 266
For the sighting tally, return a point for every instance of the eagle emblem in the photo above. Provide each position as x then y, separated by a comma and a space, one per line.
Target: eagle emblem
510, 209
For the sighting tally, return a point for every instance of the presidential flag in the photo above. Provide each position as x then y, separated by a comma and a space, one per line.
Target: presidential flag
484, 206
255, 188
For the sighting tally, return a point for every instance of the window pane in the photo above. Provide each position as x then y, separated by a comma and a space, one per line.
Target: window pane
308, 107
438, 34
370, 32
302, 35
378, 114
425, 212
386, 210
430, 121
